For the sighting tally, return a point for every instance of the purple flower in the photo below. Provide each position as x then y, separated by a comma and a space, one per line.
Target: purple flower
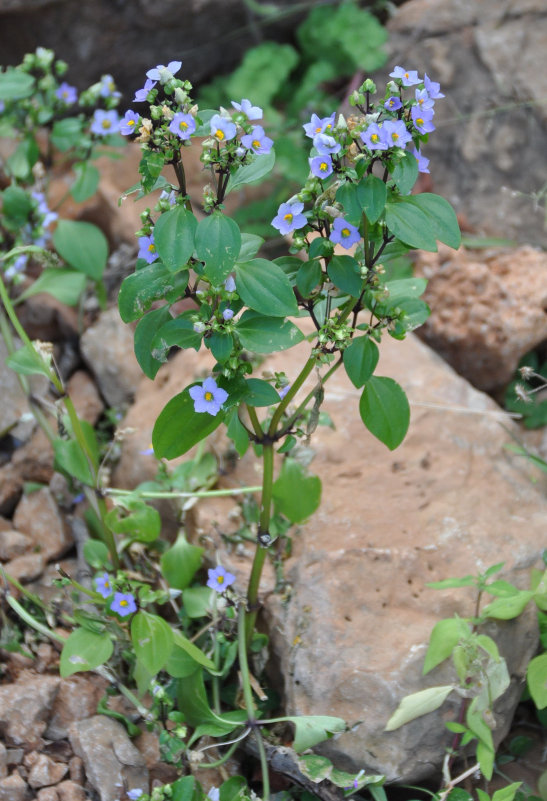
395, 134
230, 284
155, 73
219, 579
183, 125
222, 129
48, 216
128, 125
123, 603
135, 794
227, 314
142, 94
213, 794
422, 99
108, 87
289, 217
321, 166
208, 397
16, 267
66, 93
423, 162
283, 391
344, 233
326, 145
408, 77
104, 122
246, 107
373, 137
257, 141
147, 249
432, 88
422, 119
318, 125
393, 103
102, 585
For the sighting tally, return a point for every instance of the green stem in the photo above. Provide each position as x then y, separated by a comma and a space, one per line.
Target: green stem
296, 414
216, 658
255, 422
120, 493
248, 697
304, 373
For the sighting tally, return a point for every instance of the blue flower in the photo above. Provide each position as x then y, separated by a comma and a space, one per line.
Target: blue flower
219, 579
123, 604
373, 138
128, 125
155, 73
432, 88
319, 125
222, 129
142, 94
18, 266
102, 585
227, 314
326, 145
66, 93
393, 103
321, 166
183, 125
422, 119
395, 134
135, 794
147, 249
257, 141
104, 122
423, 162
407, 77
246, 107
208, 397
230, 284
422, 99
344, 233
289, 217
108, 87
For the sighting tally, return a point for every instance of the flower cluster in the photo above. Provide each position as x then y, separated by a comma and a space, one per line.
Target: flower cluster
381, 134
121, 603
34, 232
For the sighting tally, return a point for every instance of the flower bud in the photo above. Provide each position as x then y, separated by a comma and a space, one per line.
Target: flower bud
368, 86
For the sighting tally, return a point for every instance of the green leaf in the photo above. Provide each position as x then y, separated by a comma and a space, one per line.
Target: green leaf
218, 241
406, 173
263, 286
267, 334
179, 427
344, 273
485, 757
372, 195
146, 330
308, 276
509, 607
348, 195
136, 518
295, 494
84, 650
150, 167
198, 601
178, 332
237, 433
64, 284
96, 554
441, 215
385, 411
445, 635
153, 282
184, 789
260, 393
506, 793
66, 133
15, 85
313, 729
417, 704
86, 183
26, 361
452, 583
233, 789
402, 288
315, 767
193, 703
83, 246
262, 72
23, 160
360, 360
152, 640
180, 563
410, 224
174, 235
250, 245
182, 643
252, 173
16, 205
71, 460
221, 344
536, 676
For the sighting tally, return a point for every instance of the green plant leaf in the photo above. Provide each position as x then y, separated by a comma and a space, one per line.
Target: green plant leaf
506, 793
344, 273
260, 393
174, 235
15, 85
178, 332
96, 554
86, 183
313, 729
536, 676
441, 215
250, 245
315, 767
147, 284
66, 133
71, 460
180, 563
146, 330
221, 344
295, 494
64, 284
233, 789
509, 607
26, 361
218, 242
267, 334
347, 195
184, 789
84, 650
16, 205
410, 224
179, 427
263, 286
360, 360
385, 411
152, 639
308, 276
83, 246
237, 433
445, 635
417, 704
405, 173
262, 72
135, 518
252, 173
372, 195
182, 643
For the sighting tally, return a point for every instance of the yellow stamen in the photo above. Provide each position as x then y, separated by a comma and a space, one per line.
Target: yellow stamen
183, 125
345, 232
220, 579
123, 602
208, 396
219, 135
375, 138
288, 217
323, 166
106, 124
152, 247
256, 143
395, 136
420, 121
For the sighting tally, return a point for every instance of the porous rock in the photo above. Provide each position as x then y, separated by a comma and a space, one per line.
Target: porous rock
25, 707
110, 758
77, 699
45, 771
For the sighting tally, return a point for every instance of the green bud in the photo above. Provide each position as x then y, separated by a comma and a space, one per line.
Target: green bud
180, 96
61, 67
368, 86
356, 98
156, 112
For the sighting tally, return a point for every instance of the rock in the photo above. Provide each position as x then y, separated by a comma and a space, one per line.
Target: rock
77, 699
47, 794
486, 313
107, 347
76, 770
46, 318
38, 516
3, 761
33, 461
12, 544
45, 772
110, 758
85, 396
26, 568
25, 707
14, 788
477, 161
149, 746
11, 487
70, 791
15, 415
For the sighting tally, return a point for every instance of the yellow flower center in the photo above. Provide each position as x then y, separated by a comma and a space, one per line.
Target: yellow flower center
130, 123
184, 125
106, 124
123, 602
375, 138
219, 134
345, 232
152, 247
208, 396
220, 579
395, 136
420, 121
256, 143
323, 166
407, 75
288, 217
319, 130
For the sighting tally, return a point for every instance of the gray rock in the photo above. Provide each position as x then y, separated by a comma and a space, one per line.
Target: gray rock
14, 405
38, 516
25, 707
14, 788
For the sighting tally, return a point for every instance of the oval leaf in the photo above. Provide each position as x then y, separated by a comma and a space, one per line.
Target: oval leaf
179, 427
218, 242
264, 287
152, 640
83, 246
360, 360
267, 334
84, 650
385, 411
418, 704
410, 224
174, 235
